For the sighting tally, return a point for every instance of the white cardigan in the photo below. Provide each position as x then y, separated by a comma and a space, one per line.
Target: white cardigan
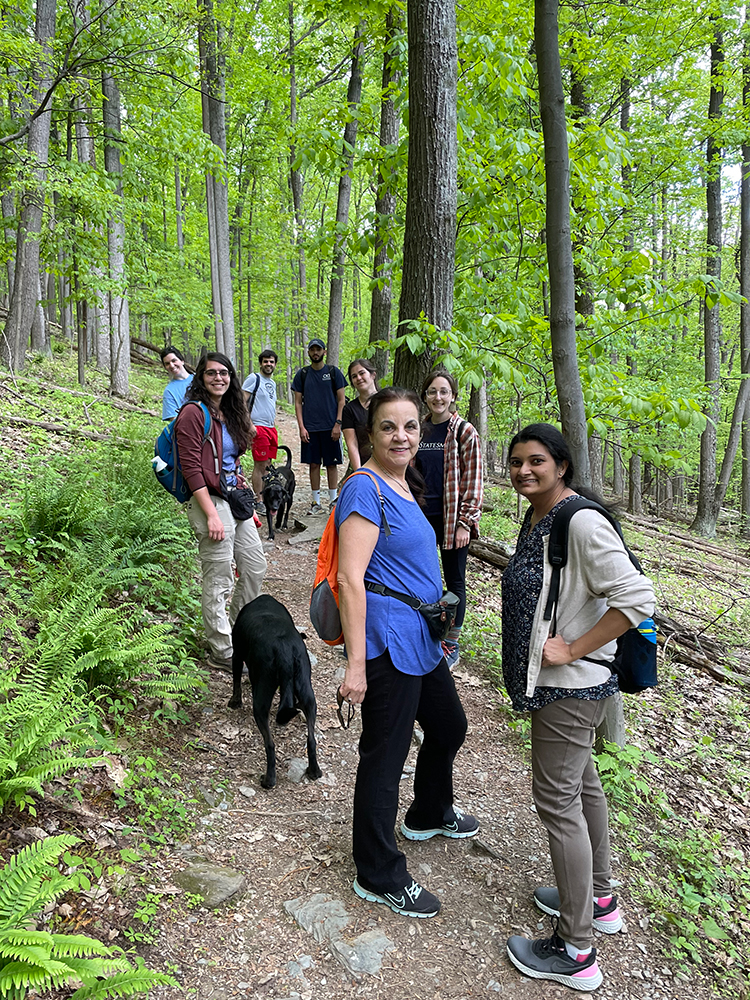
598, 575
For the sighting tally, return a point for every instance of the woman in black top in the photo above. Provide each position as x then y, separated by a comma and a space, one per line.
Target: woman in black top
364, 378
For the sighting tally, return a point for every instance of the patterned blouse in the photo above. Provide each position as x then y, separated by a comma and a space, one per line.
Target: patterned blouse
521, 586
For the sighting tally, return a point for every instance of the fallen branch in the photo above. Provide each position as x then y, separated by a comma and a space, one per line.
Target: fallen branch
94, 397
63, 429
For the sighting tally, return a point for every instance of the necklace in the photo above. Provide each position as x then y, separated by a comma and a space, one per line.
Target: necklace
398, 483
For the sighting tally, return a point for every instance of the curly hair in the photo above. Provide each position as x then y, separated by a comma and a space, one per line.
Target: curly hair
233, 407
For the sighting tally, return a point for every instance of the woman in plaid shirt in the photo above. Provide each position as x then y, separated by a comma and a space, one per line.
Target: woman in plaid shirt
450, 459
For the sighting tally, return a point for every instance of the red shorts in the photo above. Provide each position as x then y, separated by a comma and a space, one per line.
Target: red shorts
266, 444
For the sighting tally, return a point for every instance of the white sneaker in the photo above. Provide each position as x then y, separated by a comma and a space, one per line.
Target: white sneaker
314, 510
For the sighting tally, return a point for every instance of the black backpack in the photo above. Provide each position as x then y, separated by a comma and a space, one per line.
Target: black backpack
635, 660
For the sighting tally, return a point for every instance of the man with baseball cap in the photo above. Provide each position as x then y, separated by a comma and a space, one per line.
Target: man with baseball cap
318, 402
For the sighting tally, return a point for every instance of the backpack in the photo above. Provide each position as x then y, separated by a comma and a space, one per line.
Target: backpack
166, 461
324, 600
635, 659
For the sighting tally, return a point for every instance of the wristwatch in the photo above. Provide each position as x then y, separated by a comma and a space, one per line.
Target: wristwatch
338, 421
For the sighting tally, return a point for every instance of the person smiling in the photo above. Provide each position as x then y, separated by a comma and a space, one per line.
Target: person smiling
395, 669
557, 670
210, 472
364, 378
180, 379
450, 459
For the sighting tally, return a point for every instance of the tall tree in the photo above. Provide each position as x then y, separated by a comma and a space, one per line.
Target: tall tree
432, 186
562, 291
385, 197
707, 513
26, 291
336, 298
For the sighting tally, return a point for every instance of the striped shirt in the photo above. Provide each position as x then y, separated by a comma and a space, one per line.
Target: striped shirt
462, 481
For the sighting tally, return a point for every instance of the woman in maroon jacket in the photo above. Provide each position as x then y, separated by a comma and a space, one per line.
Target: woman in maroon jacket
210, 472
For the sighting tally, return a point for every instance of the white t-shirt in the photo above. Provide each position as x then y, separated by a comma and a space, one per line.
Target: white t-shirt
264, 407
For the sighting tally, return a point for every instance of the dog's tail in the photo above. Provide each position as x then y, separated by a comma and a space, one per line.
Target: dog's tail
283, 447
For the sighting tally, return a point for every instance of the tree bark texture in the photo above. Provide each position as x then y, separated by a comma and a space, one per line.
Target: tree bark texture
558, 238
385, 197
745, 283
707, 512
336, 298
119, 312
25, 296
432, 192
296, 186
213, 71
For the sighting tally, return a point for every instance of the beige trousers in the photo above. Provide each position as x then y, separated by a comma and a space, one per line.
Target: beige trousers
570, 802
242, 545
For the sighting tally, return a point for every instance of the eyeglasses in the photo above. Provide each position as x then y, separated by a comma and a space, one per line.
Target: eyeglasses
439, 392
217, 373
345, 722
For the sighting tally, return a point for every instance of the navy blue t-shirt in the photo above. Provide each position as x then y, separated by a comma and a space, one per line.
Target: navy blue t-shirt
406, 561
430, 460
319, 406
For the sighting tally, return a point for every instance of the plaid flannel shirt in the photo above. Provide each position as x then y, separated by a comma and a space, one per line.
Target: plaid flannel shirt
462, 481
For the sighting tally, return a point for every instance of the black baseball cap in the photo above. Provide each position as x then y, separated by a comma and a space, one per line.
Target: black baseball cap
316, 343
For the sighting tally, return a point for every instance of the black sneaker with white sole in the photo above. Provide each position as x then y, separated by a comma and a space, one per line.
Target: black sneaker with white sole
606, 918
547, 958
458, 828
413, 900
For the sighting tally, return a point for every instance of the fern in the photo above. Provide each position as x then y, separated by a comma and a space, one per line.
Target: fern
39, 960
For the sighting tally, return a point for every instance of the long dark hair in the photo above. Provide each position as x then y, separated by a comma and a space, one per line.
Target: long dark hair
232, 406
551, 438
391, 394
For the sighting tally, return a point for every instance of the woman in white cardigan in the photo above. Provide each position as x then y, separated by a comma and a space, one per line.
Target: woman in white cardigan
549, 674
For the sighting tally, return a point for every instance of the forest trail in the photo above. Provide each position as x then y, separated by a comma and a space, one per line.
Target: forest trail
293, 843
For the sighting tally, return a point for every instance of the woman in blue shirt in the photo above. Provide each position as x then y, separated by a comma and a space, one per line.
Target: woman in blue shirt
396, 669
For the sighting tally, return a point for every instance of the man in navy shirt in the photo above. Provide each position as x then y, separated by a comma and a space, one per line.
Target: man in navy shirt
318, 402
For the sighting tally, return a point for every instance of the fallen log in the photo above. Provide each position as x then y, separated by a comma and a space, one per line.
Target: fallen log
495, 553
119, 404
65, 429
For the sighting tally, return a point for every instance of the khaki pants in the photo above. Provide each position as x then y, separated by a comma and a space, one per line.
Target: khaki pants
242, 544
570, 802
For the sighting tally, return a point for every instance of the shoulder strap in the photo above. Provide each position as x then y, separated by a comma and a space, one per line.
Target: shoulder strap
366, 472
557, 548
207, 423
251, 404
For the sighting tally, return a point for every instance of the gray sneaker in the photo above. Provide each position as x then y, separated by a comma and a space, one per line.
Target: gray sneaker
222, 663
607, 919
546, 958
260, 507
314, 510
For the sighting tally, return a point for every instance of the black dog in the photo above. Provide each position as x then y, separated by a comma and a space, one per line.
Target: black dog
265, 638
278, 492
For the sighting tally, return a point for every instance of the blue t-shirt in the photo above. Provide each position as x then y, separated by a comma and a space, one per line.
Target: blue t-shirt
174, 397
319, 405
228, 455
264, 407
405, 561
430, 461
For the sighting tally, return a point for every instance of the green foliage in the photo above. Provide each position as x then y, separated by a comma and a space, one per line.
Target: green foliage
160, 804
42, 960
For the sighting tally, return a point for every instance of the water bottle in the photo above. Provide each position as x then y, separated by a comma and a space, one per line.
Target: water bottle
647, 629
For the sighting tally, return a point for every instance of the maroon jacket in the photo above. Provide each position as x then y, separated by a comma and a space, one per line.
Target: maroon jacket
196, 462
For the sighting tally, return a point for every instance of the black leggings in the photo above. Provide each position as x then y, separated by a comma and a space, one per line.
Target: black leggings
392, 702
454, 567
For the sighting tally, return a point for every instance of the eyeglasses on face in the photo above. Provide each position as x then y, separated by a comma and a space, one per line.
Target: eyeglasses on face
439, 392
345, 722
217, 373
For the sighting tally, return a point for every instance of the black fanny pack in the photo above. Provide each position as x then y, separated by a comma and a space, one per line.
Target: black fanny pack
241, 499
440, 614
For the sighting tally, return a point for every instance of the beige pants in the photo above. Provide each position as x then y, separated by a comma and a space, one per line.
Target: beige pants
242, 544
571, 804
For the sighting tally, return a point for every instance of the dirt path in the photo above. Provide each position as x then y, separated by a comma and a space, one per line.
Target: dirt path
294, 842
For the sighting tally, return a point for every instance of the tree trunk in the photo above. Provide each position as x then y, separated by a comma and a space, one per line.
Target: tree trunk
353, 97
385, 199
296, 186
745, 284
432, 187
25, 297
708, 512
119, 314
558, 240
213, 71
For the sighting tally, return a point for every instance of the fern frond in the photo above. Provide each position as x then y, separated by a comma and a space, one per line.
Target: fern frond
125, 984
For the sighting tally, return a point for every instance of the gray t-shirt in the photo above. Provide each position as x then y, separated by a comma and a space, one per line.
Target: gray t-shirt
264, 407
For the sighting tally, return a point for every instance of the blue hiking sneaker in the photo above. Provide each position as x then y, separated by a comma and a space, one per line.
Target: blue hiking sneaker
412, 900
451, 652
459, 828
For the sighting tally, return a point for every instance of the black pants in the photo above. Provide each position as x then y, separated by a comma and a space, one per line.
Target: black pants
454, 567
392, 702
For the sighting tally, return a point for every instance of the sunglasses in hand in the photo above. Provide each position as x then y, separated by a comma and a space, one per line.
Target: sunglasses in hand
345, 722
